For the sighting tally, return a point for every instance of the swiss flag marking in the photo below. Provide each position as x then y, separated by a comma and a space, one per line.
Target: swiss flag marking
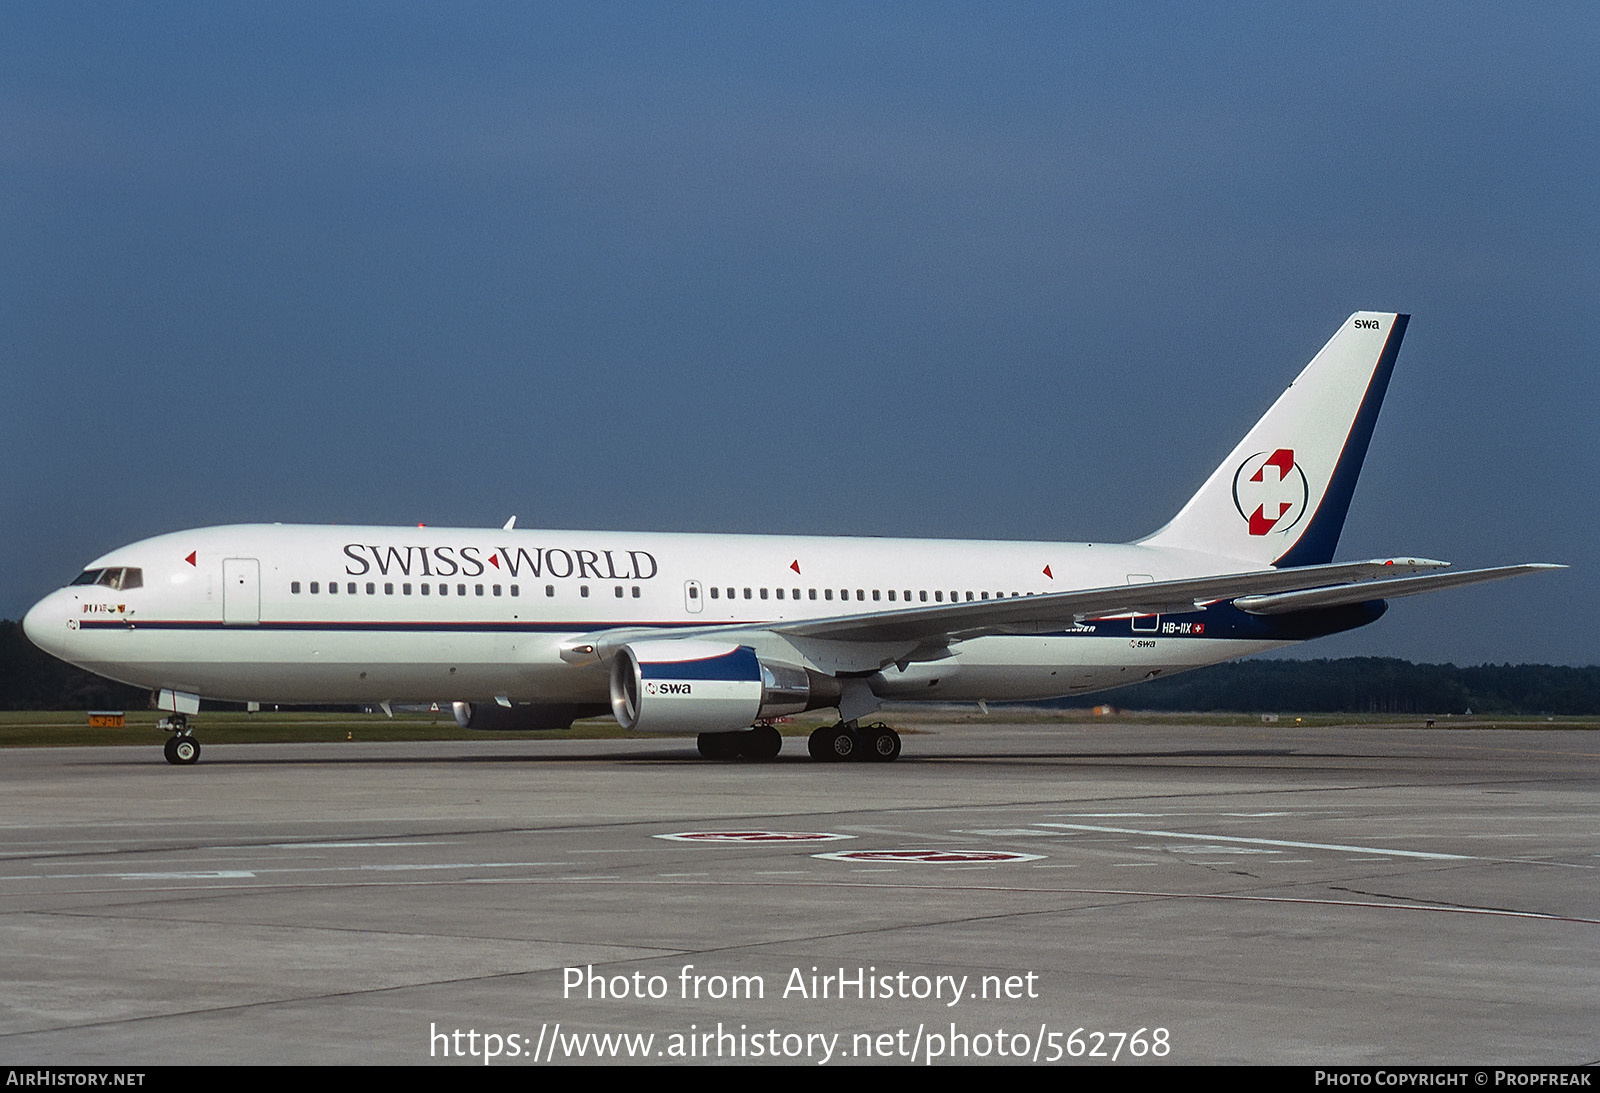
1270, 503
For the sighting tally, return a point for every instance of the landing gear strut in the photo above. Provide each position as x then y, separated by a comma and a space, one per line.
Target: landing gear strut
849, 741
760, 743
182, 749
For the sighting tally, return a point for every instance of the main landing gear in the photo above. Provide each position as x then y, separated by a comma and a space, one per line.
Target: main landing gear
182, 749
876, 743
847, 741
760, 743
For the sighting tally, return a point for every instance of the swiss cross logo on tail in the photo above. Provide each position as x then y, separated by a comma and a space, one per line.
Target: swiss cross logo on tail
1270, 491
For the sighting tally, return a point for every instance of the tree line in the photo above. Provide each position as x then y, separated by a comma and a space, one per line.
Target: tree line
34, 680
1380, 685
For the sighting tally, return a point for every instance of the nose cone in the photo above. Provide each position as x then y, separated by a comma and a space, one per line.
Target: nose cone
46, 625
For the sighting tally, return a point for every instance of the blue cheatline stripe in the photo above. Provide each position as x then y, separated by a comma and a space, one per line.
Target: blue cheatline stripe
1316, 545
1219, 621
739, 666
385, 626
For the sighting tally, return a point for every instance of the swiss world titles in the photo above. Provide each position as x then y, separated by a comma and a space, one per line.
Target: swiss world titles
474, 561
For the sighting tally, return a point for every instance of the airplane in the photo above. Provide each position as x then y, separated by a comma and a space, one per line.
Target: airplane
723, 634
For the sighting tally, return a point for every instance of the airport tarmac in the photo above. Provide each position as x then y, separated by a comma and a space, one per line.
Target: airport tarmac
1171, 893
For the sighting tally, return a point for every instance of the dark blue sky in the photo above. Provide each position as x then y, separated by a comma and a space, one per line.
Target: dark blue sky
998, 271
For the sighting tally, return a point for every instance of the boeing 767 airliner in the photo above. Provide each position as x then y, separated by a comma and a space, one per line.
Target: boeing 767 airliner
720, 634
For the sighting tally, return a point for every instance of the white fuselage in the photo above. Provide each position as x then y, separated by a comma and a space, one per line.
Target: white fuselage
311, 614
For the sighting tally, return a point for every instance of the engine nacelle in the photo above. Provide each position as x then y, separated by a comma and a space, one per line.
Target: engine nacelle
520, 717
708, 686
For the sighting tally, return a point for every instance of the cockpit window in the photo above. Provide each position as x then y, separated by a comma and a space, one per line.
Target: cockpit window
117, 578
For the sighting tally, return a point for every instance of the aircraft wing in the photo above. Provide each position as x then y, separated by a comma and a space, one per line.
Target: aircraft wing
1281, 603
1266, 591
1058, 610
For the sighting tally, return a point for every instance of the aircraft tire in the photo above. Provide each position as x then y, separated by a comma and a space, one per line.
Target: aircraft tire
883, 746
182, 751
761, 744
718, 745
817, 745
843, 745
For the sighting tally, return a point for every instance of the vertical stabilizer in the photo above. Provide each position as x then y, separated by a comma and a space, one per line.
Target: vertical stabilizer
1280, 498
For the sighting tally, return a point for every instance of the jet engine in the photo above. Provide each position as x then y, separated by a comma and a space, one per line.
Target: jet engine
708, 686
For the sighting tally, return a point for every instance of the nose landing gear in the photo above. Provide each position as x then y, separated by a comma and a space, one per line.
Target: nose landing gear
182, 749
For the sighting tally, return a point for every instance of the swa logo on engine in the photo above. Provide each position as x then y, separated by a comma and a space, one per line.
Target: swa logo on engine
666, 688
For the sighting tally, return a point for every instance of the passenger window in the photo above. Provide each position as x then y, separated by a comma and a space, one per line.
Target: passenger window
371, 588
313, 588
827, 594
747, 594
938, 596
778, 592
861, 594
497, 590
424, 589
583, 590
763, 593
636, 591
813, 593
405, 588
350, 589
477, 589
619, 592
797, 593
549, 590
891, 595
461, 590
294, 588
516, 590
388, 588
713, 593
333, 588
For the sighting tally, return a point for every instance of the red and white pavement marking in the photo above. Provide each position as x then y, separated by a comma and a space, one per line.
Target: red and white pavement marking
753, 836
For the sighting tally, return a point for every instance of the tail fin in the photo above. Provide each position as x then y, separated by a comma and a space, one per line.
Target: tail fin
1280, 498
